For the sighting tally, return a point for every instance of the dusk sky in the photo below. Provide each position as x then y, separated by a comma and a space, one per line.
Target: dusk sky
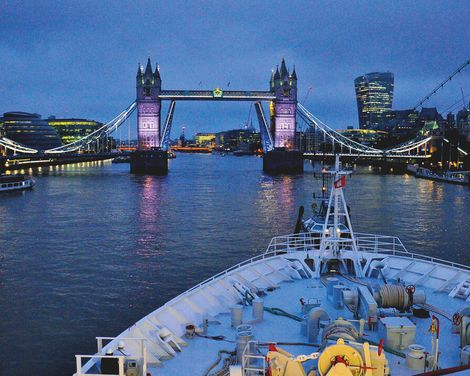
79, 59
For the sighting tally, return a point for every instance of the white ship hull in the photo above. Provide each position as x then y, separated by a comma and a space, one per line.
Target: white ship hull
286, 269
329, 302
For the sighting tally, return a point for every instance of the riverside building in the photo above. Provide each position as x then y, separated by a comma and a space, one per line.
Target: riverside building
29, 130
71, 130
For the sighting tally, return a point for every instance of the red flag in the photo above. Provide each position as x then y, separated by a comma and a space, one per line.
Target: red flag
341, 182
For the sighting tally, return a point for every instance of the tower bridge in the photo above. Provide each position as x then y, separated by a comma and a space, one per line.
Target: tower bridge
281, 150
282, 95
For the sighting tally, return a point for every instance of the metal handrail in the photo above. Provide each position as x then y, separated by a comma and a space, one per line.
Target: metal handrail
365, 242
79, 366
288, 245
248, 358
224, 273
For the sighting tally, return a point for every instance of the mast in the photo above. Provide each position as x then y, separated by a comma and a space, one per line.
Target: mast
332, 244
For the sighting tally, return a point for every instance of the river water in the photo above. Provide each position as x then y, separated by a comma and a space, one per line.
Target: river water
93, 248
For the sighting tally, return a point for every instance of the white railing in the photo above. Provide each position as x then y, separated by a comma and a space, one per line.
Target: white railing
80, 372
253, 363
252, 260
311, 242
379, 243
365, 243
140, 358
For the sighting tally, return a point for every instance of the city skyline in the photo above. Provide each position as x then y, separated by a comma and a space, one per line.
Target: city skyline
80, 60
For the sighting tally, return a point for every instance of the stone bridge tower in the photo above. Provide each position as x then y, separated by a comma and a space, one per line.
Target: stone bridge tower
285, 158
148, 85
284, 107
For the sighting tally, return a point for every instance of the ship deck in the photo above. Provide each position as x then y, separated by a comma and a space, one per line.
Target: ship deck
201, 353
285, 274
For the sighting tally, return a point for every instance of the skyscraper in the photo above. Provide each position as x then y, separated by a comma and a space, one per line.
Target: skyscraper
374, 94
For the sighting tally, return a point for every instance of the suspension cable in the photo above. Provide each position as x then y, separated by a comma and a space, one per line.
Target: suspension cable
109, 127
441, 85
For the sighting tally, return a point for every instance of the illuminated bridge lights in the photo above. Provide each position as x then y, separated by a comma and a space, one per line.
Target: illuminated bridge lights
355, 148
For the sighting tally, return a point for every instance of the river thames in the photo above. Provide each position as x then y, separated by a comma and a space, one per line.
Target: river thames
93, 248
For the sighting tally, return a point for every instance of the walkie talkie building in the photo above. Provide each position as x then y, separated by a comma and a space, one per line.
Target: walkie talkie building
374, 94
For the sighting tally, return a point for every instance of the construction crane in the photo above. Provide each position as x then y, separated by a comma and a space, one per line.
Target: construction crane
306, 95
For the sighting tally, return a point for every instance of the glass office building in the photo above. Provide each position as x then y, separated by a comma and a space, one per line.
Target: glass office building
71, 130
374, 94
29, 130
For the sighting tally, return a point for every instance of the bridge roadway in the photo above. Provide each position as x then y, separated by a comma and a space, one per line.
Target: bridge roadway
217, 94
26, 161
374, 156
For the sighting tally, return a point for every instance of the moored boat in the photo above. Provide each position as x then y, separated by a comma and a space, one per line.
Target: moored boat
122, 159
15, 182
454, 177
412, 168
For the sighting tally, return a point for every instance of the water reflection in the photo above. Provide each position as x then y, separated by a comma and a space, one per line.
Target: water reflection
150, 192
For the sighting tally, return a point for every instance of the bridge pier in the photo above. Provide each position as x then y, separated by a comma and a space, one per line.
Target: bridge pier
151, 162
281, 161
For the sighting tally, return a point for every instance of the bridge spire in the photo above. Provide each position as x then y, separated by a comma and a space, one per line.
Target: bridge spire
148, 69
139, 71
294, 75
157, 73
284, 72
271, 81
277, 76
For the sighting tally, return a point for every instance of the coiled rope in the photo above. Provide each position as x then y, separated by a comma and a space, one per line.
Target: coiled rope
394, 296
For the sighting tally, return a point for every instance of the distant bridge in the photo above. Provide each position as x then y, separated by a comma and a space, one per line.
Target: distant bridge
347, 147
278, 130
226, 95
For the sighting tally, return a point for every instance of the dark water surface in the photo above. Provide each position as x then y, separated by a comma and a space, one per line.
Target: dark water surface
92, 248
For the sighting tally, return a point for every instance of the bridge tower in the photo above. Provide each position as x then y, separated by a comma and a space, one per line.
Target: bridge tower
285, 158
284, 107
149, 158
148, 87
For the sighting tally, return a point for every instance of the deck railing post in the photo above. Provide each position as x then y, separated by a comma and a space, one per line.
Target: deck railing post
121, 366
144, 366
78, 360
